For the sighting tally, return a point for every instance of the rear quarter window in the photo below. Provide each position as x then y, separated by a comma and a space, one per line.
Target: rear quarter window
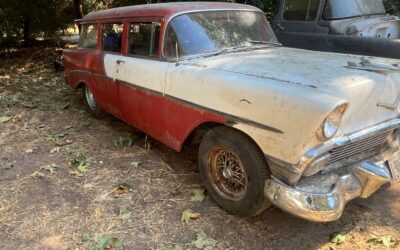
88, 37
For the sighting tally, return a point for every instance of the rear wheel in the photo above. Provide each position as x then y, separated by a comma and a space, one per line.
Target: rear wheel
234, 171
90, 102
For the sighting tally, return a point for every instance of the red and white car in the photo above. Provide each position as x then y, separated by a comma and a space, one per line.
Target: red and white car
305, 131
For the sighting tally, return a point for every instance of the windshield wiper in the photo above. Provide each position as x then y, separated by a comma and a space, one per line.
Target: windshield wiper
265, 42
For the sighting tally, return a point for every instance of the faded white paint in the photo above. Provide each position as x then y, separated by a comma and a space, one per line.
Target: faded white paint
289, 89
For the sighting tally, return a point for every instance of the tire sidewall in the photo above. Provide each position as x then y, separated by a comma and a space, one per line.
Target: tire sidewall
254, 165
96, 112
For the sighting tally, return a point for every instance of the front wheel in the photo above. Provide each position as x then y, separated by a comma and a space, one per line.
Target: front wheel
90, 102
234, 171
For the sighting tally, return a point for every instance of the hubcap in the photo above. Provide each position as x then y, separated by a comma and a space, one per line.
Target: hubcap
227, 174
90, 98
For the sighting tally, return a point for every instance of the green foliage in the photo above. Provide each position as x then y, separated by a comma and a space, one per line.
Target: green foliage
45, 18
392, 6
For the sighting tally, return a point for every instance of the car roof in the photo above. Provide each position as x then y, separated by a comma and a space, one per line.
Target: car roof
164, 10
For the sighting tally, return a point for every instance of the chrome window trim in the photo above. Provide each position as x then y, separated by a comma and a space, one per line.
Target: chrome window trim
166, 24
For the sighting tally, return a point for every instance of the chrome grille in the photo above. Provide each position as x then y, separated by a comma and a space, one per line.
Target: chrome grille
369, 144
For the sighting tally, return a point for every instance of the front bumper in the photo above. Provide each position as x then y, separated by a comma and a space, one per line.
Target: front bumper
311, 201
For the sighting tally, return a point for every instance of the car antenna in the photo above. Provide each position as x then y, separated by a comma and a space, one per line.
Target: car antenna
177, 54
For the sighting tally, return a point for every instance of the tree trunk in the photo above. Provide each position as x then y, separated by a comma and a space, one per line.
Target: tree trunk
78, 11
27, 31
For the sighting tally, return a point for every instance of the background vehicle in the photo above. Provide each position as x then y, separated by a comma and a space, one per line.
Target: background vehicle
343, 26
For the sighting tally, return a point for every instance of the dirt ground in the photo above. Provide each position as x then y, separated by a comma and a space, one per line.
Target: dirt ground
70, 181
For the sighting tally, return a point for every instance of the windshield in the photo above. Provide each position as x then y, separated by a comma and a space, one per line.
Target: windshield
213, 31
337, 9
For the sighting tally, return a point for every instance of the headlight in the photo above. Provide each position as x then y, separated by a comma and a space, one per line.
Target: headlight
331, 124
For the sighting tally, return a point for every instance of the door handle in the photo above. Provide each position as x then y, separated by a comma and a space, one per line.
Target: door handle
120, 62
280, 26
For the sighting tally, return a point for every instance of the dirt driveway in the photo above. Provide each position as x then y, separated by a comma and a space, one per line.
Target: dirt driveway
69, 181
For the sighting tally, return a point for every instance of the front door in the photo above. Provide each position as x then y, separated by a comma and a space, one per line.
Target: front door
141, 79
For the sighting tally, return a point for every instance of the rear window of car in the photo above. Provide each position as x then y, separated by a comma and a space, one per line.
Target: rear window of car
144, 38
301, 10
88, 37
112, 37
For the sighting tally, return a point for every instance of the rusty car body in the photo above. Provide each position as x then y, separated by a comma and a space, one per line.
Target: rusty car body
307, 131
343, 26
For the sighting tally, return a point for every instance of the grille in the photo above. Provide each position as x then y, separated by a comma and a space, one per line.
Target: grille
369, 144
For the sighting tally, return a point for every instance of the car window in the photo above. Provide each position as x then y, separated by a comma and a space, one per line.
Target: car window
88, 37
144, 38
213, 31
300, 10
111, 37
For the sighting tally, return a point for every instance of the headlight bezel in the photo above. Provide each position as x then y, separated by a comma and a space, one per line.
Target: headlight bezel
331, 124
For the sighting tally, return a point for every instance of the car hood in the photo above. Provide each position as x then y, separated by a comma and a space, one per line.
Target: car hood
377, 26
367, 83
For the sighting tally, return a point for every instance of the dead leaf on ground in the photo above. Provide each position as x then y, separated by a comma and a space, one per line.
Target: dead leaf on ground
49, 168
4, 119
385, 240
124, 215
205, 242
171, 247
55, 150
107, 243
121, 189
122, 142
188, 215
337, 237
37, 174
197, 194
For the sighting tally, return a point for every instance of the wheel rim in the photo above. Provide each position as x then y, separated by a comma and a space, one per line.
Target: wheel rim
90, 98
227, 174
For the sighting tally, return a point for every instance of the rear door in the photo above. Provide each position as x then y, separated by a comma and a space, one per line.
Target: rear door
111, 37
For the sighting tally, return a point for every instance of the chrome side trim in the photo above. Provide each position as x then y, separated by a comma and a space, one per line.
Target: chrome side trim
324, 207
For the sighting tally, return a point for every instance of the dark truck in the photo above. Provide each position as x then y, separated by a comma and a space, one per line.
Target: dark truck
343, 26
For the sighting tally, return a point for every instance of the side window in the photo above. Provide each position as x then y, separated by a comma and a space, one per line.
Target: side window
301, 10
88, 37
111, 37
144, 38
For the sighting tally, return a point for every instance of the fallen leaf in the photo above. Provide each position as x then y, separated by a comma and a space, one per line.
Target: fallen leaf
171, 247
120, 189
29, 151
4, 119
124, 215
107, 243
50, 167
135, 164
205, 242
385, 240
37, 174
55, 150
82, 169
189, 214
122, 142
79, 160
338, 238
197, 194
8, 166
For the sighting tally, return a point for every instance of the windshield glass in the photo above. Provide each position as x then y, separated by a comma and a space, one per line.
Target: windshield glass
337, 9
213, 31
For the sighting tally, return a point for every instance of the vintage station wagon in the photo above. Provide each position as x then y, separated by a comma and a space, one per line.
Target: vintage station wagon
305, 131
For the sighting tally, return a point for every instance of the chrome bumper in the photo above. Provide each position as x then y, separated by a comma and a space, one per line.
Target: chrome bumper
311, 203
